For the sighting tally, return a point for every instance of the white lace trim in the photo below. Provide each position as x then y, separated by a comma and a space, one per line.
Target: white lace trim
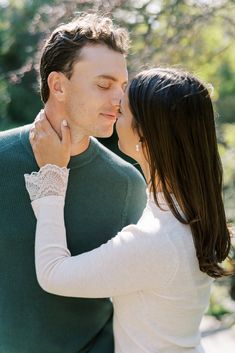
49, 180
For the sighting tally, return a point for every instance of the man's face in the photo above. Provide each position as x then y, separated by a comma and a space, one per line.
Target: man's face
94, 91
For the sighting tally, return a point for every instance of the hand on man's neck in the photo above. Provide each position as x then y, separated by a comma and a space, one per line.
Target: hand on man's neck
80, 143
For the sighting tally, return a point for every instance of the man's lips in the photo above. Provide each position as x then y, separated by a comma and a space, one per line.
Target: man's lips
110, 116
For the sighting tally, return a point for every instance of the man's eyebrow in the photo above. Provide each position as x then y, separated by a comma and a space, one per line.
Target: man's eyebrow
110, 77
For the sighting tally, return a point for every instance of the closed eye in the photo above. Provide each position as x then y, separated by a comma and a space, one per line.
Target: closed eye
103, 87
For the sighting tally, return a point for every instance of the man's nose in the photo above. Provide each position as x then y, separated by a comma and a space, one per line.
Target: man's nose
116, 97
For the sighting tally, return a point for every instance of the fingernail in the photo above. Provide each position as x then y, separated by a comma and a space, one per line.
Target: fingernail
65, 123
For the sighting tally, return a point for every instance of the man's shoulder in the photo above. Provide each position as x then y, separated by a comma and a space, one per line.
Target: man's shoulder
12, 138
117, 164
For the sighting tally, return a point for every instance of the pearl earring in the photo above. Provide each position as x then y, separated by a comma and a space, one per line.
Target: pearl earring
137, 147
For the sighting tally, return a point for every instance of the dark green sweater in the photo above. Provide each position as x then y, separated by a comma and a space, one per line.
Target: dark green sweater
104, 194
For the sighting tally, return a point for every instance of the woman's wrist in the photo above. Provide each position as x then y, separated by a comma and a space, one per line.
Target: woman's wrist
49, 180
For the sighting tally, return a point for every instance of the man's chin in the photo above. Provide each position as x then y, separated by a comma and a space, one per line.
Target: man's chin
107, 134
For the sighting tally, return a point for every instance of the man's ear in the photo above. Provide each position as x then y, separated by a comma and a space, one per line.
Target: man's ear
56, 82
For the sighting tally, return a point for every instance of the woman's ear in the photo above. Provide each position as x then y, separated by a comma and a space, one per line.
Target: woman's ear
56, 83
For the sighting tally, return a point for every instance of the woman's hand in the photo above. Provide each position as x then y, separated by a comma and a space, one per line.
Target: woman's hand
48, 147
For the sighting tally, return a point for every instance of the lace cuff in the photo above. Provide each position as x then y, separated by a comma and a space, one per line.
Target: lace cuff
50, 180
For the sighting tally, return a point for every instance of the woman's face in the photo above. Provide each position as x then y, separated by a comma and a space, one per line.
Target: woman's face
128, 137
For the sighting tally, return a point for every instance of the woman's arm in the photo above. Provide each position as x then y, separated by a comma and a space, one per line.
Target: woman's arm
125, 264
115, 268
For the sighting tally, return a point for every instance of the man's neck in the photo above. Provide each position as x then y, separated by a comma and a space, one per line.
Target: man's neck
80, 147
79, 143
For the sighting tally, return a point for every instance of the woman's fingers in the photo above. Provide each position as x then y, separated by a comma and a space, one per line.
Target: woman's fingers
44, 124
38, 117
65, 132
36, 128
47, 146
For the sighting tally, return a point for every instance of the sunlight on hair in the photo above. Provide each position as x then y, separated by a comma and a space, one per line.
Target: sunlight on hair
211, 89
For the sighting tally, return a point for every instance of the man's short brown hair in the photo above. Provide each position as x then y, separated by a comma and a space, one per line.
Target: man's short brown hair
63, 47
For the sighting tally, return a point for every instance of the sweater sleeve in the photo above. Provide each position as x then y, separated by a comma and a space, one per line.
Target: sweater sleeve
123, 265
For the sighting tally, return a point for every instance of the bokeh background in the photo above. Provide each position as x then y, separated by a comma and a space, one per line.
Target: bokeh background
197, 35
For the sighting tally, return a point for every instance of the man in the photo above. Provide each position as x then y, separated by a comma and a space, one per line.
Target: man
83, 77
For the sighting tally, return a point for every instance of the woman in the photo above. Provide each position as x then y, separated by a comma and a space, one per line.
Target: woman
158, 272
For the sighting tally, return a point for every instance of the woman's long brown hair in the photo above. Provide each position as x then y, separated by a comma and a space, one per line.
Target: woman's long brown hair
173, 114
